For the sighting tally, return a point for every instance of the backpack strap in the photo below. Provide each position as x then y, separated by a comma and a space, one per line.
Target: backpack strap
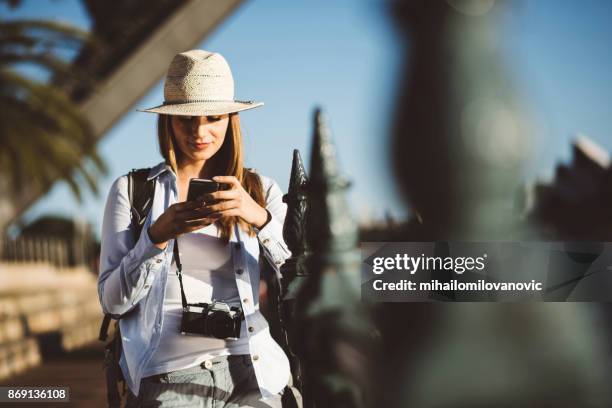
140, 193
103, 335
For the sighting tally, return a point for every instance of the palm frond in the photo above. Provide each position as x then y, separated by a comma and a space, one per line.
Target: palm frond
43, 134
54, 31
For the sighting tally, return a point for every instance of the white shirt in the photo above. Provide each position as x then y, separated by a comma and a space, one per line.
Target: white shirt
207, 275
133, 276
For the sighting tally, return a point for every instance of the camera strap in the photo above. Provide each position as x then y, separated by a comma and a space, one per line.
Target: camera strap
179, 273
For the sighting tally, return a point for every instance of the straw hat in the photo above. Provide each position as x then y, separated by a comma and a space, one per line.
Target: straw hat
200, 83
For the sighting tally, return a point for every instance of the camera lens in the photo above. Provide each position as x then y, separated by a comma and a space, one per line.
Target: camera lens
221, 325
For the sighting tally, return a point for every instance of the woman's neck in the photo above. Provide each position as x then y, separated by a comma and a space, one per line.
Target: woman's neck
190, 170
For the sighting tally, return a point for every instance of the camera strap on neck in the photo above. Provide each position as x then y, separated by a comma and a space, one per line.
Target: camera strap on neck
179, 268
179, 273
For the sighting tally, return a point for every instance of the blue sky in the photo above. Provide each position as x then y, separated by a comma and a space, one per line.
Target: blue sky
344, 55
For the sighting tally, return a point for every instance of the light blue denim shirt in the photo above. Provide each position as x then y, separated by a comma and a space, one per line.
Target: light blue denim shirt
133, 276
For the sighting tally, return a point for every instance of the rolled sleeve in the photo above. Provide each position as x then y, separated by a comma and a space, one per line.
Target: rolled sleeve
271, 235
144, 252
125, 267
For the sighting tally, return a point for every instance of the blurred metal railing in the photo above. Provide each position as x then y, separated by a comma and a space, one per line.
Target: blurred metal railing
77, 250
54, 251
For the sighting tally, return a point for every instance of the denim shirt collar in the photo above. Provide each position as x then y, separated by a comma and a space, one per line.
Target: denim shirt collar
159, 169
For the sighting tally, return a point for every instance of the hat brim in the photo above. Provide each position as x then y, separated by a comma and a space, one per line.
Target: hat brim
202, 108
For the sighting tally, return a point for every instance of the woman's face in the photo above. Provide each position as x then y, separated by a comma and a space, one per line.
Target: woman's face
199, 137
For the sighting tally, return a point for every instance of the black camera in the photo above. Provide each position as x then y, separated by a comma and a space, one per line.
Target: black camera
216, 319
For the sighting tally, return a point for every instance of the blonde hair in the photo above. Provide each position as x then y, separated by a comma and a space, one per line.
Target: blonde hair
227, 161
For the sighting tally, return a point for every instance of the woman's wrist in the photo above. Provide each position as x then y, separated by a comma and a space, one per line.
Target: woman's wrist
264, 219
156, 241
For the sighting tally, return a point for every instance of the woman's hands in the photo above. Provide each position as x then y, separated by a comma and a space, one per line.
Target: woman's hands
236, 202
180, 218
188, 216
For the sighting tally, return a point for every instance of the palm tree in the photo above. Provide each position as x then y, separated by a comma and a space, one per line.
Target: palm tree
43, 134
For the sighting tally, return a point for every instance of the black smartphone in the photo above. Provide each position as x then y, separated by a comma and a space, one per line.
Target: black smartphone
200, 187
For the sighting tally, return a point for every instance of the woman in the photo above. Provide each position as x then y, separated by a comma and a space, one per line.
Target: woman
216, 241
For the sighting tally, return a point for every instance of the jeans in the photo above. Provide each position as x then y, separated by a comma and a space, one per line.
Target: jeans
224, 381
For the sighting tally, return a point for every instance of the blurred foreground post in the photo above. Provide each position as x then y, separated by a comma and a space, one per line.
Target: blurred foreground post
458, 146
460, 138
334, 340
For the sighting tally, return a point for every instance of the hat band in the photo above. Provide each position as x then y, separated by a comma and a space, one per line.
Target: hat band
180, 102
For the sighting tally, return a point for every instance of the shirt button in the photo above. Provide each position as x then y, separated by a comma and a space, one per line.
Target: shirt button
245, 300
251, 329
159, 260
255, 357
208, 364
147, 286
266, 241
239, 271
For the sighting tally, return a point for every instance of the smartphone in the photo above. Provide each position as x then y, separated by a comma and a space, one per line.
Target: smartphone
200, 187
